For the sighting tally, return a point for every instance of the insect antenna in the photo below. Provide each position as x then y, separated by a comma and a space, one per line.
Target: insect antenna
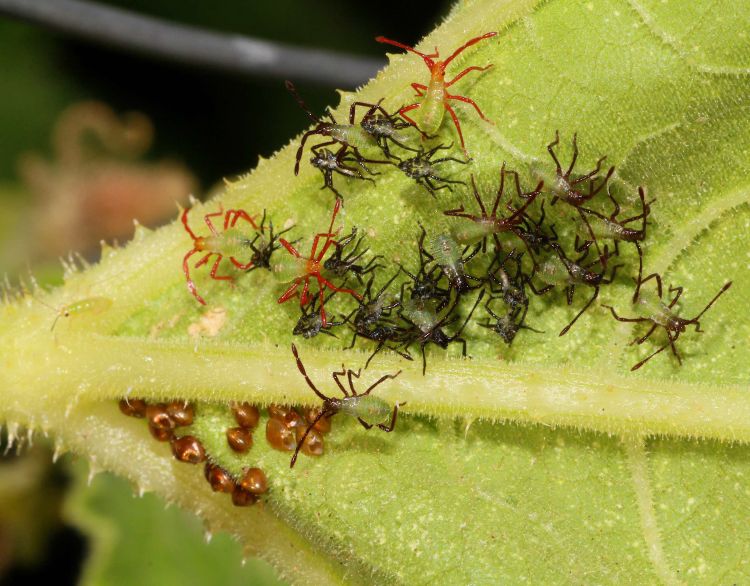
309, 427
54, 323
710, 303
428, 59
303, 372
466, 45
320, 125
59, 313
295, 94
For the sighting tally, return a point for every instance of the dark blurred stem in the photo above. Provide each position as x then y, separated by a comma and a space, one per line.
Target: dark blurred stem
152, 36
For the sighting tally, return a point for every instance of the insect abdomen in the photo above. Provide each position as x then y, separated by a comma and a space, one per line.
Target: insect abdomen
433, 108
355, 136
367, 407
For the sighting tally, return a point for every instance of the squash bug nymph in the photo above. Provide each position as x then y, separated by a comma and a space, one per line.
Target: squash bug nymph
436, 96
360, 405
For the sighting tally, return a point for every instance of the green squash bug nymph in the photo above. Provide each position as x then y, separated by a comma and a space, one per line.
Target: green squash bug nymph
662, 315
360, 405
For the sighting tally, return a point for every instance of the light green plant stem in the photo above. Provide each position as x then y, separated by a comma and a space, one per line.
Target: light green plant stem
110, 367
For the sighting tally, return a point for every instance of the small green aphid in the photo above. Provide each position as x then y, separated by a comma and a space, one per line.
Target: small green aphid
89, 306
362, 406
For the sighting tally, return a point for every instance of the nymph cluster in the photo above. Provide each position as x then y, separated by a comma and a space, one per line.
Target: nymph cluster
535, 237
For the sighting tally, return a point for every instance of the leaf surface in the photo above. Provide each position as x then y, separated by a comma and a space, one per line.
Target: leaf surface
458, 494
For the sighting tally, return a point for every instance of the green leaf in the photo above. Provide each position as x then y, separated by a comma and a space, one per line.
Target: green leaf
577, 489
131, 538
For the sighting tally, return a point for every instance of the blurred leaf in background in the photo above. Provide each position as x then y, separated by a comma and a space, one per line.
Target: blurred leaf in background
96, 186
136, 537
32, 492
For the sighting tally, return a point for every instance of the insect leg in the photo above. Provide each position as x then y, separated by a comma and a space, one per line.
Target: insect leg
645, 337
592, 174
676, 297
380, 380
290, 292
236, 215
239, 265
420, 88
209, 223
204, 260
290, 249
467, 70
658, 282
458, 127
672, 339
640, 272
378, 349
580, 313
551, 151
575, 155
471, 103
336, 374
625, 319
392, 426
402, 112
216, 268
325, 282
190, 283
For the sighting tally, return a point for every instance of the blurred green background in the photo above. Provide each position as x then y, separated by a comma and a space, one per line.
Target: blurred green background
207, 126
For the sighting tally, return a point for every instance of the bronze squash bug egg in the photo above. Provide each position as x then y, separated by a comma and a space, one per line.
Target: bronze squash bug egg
239, 439
254, 481
242, 498
162, 435
279, 435
133, 407
188, 449
219, 479
158, 418
311, 440
246, 415
181, 413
